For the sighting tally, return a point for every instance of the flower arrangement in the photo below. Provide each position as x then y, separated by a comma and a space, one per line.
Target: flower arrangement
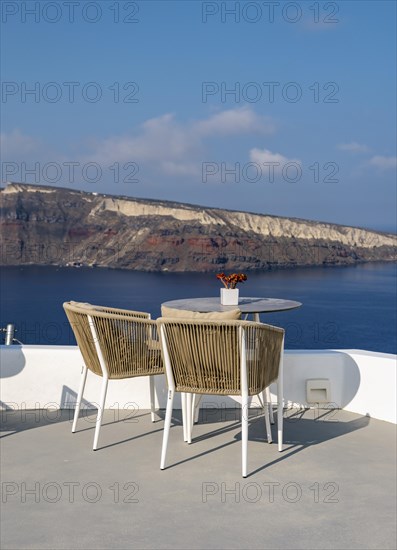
231, 281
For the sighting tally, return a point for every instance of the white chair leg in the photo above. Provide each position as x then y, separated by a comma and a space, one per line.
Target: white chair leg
267, 423
197, 408
152, 399
167, 424
268, 399
280, 404
101, 408
244, 434
193, 401
189, 417
196, 398
184, 421
79, 398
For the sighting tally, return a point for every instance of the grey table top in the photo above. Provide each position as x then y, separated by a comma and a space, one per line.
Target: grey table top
245, 305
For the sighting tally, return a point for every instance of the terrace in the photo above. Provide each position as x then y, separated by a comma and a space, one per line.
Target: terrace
333, 486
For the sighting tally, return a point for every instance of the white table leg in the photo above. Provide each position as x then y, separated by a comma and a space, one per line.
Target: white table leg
268, 399
266, 394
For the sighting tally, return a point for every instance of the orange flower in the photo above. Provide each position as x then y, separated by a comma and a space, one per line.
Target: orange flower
231, 281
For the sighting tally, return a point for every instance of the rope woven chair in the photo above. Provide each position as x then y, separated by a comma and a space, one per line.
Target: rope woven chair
115, 344
221, 358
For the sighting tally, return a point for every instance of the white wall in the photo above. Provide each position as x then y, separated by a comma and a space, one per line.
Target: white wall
34, 377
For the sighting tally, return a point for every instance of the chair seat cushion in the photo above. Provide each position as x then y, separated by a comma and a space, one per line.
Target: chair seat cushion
231, 315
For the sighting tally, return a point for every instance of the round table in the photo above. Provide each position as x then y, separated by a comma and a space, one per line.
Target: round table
248, 305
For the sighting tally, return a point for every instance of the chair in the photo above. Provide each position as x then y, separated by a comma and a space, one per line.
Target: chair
115, 344
221, 358
194, 400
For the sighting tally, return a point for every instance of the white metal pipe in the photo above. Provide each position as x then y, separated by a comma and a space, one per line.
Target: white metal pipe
9, 334
280, 399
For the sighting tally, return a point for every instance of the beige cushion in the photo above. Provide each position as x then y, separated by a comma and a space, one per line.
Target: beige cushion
231, 315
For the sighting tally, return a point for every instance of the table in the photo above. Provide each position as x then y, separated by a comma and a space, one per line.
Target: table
247, 305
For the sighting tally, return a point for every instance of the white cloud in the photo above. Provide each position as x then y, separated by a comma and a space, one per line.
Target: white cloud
275, 165
160, 139
382, 162
234, 121
181, 168
160, 144
175, 148
262, 156
353, 147
16, 143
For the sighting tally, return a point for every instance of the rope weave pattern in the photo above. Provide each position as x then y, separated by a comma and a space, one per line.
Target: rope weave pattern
125, 312
78, 320
205, 356
106, 309
129, 344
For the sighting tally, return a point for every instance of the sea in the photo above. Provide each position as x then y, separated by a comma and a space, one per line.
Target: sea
349, 307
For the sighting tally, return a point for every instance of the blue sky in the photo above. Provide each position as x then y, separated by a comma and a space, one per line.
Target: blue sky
223, 104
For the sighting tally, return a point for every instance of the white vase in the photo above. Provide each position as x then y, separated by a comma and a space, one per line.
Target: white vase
229, 296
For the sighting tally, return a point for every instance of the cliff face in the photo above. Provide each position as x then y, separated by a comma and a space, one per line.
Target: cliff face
56, 226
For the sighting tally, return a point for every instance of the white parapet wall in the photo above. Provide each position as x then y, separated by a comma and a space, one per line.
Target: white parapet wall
47, 377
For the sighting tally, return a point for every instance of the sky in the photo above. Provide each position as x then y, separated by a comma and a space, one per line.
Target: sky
282, 108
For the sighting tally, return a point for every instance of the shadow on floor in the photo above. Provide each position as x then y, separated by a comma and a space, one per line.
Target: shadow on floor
302, 430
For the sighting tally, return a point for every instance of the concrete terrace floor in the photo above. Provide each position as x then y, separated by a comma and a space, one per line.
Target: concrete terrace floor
332, 487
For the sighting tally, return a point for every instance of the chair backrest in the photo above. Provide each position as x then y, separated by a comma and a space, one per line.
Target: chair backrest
210, 356
79, 322
107, 309
122, 345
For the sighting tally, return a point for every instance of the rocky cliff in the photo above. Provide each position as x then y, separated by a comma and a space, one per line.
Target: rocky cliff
57, 226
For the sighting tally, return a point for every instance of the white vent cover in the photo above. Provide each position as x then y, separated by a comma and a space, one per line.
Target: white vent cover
318, 390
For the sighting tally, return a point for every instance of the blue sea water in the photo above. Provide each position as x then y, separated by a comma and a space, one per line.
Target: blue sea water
343, 307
